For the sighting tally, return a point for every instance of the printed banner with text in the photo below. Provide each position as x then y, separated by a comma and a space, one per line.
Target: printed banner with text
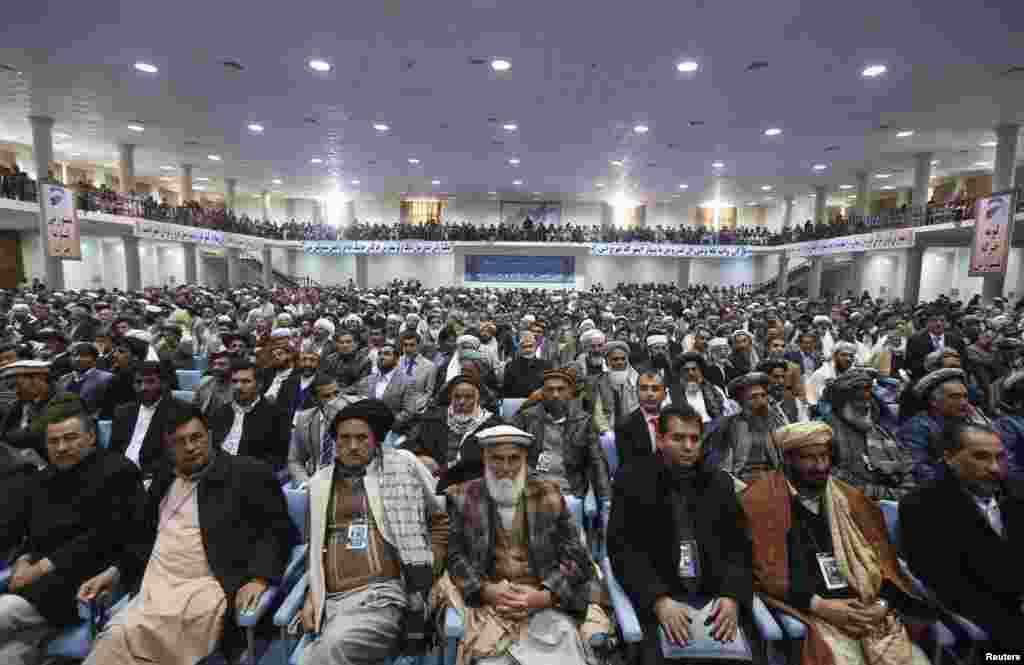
993, 230
879, 240
177, 233
670, 250
386, 247
62, 238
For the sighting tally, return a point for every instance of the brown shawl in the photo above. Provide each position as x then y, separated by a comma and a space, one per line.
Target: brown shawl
767, 503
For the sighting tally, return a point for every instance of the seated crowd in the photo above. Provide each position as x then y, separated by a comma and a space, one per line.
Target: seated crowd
739, 448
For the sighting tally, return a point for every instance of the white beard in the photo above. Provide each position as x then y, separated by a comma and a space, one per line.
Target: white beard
506, 493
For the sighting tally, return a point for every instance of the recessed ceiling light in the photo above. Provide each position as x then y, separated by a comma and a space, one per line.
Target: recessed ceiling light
718, 165
435, 182
76, 154
255, 127
641, 129
888, 187
845, 186
166, 167
871, 71
275, 181
989, 144
616, 162
536, 193
318, 65
904, 134
316, 160
355, 182
935, 162
599, 185
199, 188
413, 160
517, 182
146, 67
137, 128
820, 167
492, 193
684, 186
766, 188
61, 136
501, 65
514, 161
774, 131
752, 203
510, 127
883, 175
983, 164
202, 179
687, 66
381, 126
166, 177
213, 158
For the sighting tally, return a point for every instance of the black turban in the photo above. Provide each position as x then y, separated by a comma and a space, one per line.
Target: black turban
376, 414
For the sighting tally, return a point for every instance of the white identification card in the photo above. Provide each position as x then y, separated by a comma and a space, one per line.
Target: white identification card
358, 534
688, 559
544, 462
834, 579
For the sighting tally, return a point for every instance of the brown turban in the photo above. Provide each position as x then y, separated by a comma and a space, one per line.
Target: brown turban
565, 373
802, 435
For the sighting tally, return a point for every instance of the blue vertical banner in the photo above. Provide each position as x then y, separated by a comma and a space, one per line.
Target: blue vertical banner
538, 269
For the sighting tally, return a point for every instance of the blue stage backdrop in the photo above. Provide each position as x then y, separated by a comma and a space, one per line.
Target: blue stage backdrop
540, 269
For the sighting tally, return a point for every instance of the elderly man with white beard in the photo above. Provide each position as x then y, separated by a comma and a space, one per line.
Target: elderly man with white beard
865, 454
516, 566
615, 395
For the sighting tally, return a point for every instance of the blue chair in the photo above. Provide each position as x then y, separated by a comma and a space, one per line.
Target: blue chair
183, 395
611, 453
201, 363
188, 379
103, 433
509, 407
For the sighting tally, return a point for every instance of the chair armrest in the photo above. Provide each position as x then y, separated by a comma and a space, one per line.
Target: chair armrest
454, 624
296, 565
765, 622
5, 578
292, 603
625, 614
793, 628
975, 632
300, 648
248, 619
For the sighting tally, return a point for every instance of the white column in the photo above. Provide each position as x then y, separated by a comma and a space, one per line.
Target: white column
684, 273
234, 266
787, 219
820, 194
318, 216
782, 282
132, 264
185, 184
860, 269
265, 205
191, 262
42, 151
65, 177
863, 194
268, 269
1002, 179
231, 188
289, 209
912, 274
126, 167
814, 278
922, 174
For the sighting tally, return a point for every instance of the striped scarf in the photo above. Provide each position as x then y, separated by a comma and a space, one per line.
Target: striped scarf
401, 492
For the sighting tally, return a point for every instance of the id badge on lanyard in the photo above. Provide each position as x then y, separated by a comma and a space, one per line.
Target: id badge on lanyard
544, 462
689, 560
358, 535
830, 572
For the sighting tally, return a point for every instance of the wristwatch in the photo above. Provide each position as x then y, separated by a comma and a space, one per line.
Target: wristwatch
882, 602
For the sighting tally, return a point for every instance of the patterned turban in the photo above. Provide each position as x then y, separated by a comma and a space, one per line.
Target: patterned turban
802, 435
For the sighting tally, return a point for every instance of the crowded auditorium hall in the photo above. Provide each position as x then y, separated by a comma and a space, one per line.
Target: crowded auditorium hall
482, 333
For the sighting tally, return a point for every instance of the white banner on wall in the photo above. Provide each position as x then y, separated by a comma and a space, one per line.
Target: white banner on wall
386, 247
670, 250
865, 242
62, 237
176, 233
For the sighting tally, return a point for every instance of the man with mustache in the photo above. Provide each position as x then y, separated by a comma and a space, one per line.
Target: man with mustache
515, 561
972, 562
214, 389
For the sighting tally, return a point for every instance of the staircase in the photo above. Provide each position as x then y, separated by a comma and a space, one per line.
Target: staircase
796, 274
254, 269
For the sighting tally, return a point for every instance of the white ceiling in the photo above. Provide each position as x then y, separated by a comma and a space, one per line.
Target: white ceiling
583, 74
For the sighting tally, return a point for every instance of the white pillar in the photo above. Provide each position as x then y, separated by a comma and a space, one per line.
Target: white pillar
234, 266
289, 209
292, 262
42, 151
683, 281
126, 167
1002, 179
318, 216
814, 278
265, 205
787, 219
268, 270
132, 264
912, 274
820, 194
191, 250
231, 188
863, 194
185, 184
860, 269
922, 174
782, 282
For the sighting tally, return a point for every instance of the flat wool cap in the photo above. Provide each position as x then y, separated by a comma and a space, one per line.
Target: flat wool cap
495, 436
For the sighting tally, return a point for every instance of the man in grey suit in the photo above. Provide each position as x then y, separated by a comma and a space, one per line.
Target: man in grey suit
390, 385
422, 372
312, 443
88, 382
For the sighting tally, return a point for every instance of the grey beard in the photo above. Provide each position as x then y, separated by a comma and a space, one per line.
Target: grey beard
857, 418
506, 493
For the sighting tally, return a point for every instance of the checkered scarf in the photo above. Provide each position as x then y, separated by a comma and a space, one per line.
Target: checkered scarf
401, 492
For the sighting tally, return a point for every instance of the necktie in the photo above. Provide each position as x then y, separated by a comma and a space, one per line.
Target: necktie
326, 449
409, 364
993, 516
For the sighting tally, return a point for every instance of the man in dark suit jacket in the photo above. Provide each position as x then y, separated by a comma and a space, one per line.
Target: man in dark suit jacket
525, 373
244, 524
78, 512
635, 437
933, 338
251, 425
400, 392
972, 562
137, 429
693, 510
88, 382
